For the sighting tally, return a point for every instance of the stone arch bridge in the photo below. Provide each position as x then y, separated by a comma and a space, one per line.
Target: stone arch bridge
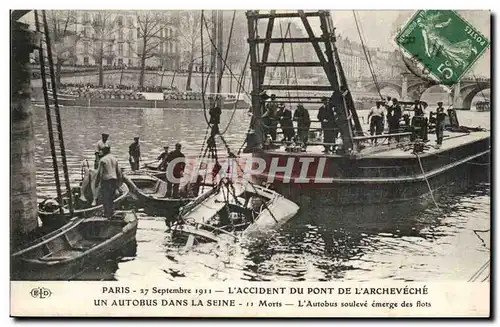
410, 87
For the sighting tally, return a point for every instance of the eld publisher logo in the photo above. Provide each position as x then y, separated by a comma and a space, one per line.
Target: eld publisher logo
40, 292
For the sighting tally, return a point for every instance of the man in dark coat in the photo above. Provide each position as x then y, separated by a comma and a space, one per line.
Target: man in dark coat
176, 171
394, 114
440, 121
163, 157
301, 116
326, 116
286, 123
134, 152
270, 117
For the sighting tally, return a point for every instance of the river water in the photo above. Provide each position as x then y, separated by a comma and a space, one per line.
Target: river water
430, 245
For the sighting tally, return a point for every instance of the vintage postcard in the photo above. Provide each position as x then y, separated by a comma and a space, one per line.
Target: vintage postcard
250, 163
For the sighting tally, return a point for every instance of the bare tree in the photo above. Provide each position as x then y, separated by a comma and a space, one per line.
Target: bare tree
103, 38
189, 37
150, 26
61, 24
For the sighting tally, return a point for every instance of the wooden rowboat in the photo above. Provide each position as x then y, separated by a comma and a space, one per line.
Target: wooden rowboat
50, 215
80, 244
150, 193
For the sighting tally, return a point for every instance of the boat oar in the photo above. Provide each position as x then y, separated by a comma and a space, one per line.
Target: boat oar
189, 242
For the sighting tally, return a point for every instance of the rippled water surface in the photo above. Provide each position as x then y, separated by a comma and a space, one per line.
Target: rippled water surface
313, 246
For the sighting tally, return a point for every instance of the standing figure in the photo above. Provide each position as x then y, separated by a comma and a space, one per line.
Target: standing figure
440, 119
101, 144
163, 157
326, 116
301, 116
270, 117
174, 174
394, 114
109, 179
286, 122
134, 152
376, 119
417, 109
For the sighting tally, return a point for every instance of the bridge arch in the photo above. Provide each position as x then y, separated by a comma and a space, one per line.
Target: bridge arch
371, 87
469, 91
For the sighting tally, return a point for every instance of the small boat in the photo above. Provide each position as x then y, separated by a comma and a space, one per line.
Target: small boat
151, 193
49, 209
232, 212
152, 168
80, 244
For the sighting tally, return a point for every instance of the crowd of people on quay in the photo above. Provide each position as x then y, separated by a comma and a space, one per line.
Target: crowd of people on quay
389, 110
114, 91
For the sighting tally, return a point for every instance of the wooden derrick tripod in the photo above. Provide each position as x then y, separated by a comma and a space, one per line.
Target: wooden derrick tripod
347, 118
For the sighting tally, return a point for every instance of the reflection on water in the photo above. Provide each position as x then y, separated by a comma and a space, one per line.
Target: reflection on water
314, 246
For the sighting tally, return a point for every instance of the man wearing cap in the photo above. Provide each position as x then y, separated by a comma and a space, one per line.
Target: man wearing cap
271, 117
109, 178
301, 116
440, 119
101, 144
176, 171
286, 122
134, 152
327, 118
163, 157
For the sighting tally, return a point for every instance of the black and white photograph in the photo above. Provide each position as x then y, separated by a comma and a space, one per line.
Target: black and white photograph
305, 162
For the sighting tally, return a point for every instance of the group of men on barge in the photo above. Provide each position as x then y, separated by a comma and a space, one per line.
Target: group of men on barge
387, 110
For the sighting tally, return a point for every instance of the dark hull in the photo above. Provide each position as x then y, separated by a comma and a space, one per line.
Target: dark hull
377, 187
155, 206
57, 220
122, 103
112, 247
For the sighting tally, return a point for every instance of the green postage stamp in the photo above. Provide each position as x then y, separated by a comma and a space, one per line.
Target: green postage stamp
443, 43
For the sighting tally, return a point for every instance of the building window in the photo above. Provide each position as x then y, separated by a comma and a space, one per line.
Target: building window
138, 32
110, 48
85, 60
161, 47
130, 21
109, 61
120, 62
171, 47
120, 49
85, 47
120, 20
130, 35
129, 52
130, 62
120, 35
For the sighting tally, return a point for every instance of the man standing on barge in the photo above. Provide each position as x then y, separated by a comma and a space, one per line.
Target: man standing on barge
109, 179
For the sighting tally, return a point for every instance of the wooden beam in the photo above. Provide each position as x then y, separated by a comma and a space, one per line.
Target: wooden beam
292, 64
287, 15
267, 45
297, 87
288, 40
312, 38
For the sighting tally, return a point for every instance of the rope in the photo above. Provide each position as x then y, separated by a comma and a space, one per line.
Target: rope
220, 54
243, 71
367, 56
427, 181
294, 68
286, 68
219, 84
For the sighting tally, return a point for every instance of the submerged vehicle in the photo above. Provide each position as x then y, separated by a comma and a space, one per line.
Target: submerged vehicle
234, 211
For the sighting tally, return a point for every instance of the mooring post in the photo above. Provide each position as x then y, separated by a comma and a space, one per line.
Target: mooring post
23, 200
